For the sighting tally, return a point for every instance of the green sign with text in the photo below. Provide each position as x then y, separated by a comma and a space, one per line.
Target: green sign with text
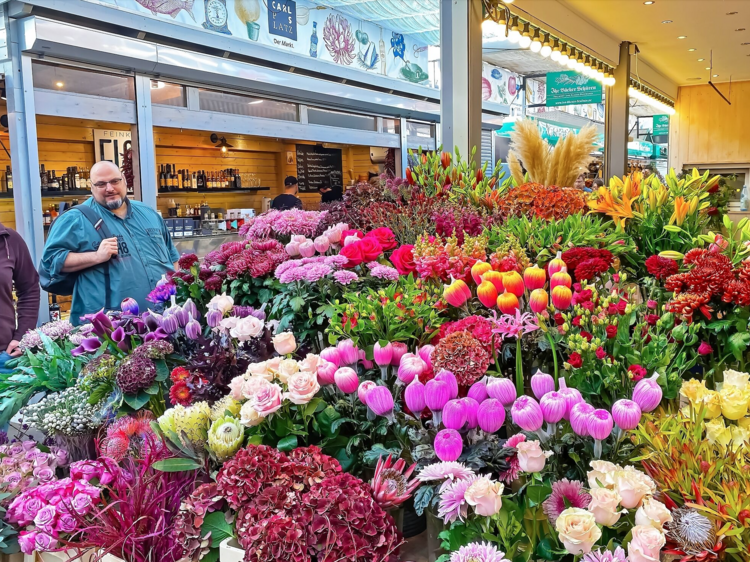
661, 125
571, 88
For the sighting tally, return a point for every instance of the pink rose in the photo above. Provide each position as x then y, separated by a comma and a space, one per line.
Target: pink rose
27, 541
44, 542
247, 328
646, 544
302, 387
260, 370
253, 386
403, 259
31, 508
267, 400
235, 387
310, 363
531, 457
284, 343
229, 323
85, 470
384, 236
486, 496
13, 479
45, 518
44, 474
221, 302
81, 503
353, 253
66, 523
286, 369
371, 249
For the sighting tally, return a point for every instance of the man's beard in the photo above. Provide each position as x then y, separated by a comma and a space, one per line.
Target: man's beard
114, 205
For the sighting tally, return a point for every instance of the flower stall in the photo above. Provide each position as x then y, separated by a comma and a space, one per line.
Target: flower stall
453, 366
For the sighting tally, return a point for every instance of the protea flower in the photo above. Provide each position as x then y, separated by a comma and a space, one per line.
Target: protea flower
225, 437
692, 532
391, 485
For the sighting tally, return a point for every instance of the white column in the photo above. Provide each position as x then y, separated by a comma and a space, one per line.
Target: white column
143, 145
617, 117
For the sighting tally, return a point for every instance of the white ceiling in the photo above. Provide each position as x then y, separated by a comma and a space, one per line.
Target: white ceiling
705, 24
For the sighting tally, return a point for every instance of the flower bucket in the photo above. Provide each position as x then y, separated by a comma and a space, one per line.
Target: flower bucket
17, 557
397, 513
413, 524
230, 551
435, 526
60, 556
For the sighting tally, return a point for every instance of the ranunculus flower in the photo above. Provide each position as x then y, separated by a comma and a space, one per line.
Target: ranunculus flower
249, 417
403, 259
221, 302
267, 400
633, 486
577, 530
611, 331
302, 387
604, 506
284, 343
486, 496
653, 512
286, 369
531, 457
354, 253
247, 328
371, 249
705, 348
645, 544
384, 236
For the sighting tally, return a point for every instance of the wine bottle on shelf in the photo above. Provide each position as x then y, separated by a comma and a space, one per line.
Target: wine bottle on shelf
175, 178
237, 179
54, 309
9, 179
42, 176
54, 183
64, 181
77, 177
47, 217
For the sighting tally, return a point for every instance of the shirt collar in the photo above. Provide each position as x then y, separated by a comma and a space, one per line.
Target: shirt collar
127, 215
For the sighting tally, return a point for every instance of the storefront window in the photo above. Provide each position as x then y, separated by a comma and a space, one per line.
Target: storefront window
165, 93
317, 116
392, 126
80, 81
222, 102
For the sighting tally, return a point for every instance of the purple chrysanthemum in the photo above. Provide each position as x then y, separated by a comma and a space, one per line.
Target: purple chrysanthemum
384, 272
285, 266
292, 275
565, 494
345, 277
478, 552
161, 293
316, 272
453, 501
606, 556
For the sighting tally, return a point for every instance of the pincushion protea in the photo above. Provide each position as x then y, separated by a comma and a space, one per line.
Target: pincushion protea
391, 485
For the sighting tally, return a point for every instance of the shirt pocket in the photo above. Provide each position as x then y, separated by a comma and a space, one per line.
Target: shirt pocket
158, 247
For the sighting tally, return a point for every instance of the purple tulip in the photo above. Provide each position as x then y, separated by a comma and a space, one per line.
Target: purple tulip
88, 345
647, 393
348, 352
192, 329
491, 415
448, 445
599, 424
398, 351
553, 407
382, 355
101, 323
626, 414
454, 415
170, 324
307, 249
478, 391
332, 355
450, 379
346, 379
214, 317
414, 398
471, 408
571, 395
503, 390
541, 384
579, 415
191, 309
182, 316
380, 401
527, 414
411, 366
129, 306
425, 353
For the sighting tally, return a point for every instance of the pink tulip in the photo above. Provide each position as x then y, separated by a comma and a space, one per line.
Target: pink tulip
364, 388
399, 349
454, 415
448, 445
346, 380
491, 415
382, 355
414, 397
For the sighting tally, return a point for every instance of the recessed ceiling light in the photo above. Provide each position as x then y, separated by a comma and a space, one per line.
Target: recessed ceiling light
716, 75
667, 21
691, 50
740, 29
59, 84
708, 68
682, 37
745, 43
649, 2
695, 78
701, 60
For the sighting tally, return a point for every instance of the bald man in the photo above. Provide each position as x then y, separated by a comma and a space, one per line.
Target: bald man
139, 252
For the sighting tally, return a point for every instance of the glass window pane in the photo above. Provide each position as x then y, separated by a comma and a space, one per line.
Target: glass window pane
223, 102
317, 116
80, 81
421, 130
164, 93
392, 126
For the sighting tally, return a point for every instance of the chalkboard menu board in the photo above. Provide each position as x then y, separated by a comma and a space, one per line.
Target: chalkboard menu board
318, 167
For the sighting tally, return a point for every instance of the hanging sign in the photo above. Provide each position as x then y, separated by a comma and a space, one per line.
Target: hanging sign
282, 18
661, 125
570, 88
110, 145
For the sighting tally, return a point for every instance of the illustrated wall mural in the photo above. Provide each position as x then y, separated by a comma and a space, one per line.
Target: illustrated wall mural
500, 85
297, 26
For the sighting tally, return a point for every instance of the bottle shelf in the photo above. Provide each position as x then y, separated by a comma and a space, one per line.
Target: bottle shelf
46, 194
210, 191
6, 195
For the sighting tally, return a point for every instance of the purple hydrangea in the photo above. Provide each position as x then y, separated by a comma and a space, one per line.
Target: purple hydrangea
345, 277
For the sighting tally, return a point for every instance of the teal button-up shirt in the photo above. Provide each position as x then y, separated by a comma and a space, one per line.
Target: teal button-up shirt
145, 253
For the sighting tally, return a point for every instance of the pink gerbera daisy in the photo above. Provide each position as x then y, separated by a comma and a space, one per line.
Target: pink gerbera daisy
453, 502
565, 494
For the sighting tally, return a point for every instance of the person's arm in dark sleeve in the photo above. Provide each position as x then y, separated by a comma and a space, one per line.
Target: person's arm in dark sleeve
298, 203
26, 281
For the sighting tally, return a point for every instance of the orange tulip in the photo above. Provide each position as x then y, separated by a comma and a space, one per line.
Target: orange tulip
538, 300
513, 282
534, 278
478, 269
560, 278
487, 294
508, 303
561, 297
496, 278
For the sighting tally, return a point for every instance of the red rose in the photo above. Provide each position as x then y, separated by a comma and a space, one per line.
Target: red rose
384, 236
577, 321
611, 331
636, 372
370, 248
351, 232
621, 306
600, 353
353, 252
651, 319
712, 211
588, 305
559, 320
588, 337
403, 259
575, 360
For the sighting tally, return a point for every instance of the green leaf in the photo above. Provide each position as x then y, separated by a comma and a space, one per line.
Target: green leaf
535, 495
297, 303
422, 498
162, 371
326, 419
738, 343
217, 524
137, 401
255, 439
153, 389
176, 465
311, 406
287, 444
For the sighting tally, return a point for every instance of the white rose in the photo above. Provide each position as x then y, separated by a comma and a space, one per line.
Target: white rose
577, 530
602, 474
284, 343
259, 370
246, 328
653, 513
252, 386
249, 417
302, 387
531, 457
286, 369
633, 486
310, 363
221, 302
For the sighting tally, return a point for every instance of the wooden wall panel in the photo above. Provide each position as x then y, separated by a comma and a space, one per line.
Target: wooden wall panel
7, 213
707, 130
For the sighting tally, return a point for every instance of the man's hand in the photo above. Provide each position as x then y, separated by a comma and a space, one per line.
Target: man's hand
107, 249
13, 349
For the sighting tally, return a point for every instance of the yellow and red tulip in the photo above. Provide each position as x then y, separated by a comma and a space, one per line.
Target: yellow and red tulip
538, 300
457, 293
496, 278
556, 265
487, 294
513, 283
561, 297
508, 303
479, 269
534, 278
560, 278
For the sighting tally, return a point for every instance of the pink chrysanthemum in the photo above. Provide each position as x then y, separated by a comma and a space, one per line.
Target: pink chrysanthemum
565, 494
453, 502
478, 552
606, 556
445, 471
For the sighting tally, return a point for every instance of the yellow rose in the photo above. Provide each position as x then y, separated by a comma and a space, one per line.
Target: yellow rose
740, 436
717, 432
735, 378
712, 403
744, 423
577, 530
693, 390
733, 402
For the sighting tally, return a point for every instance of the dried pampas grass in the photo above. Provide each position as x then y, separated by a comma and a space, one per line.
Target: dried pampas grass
577, 158
515, 168
529, 146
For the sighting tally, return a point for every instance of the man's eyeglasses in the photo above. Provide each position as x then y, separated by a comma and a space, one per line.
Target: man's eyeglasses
102, 184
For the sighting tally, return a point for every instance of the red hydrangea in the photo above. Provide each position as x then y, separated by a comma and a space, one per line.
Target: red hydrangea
478, 326
661, 268
309, 465
576, 256
249, 471
463, 355
187, 523
277, 539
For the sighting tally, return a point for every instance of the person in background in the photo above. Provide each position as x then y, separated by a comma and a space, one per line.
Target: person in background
598, 182
580, 182
139, 253
330, 193
16, 268
288, 199
647, 171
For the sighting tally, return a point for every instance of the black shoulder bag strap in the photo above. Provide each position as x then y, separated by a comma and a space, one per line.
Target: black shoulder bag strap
100, 226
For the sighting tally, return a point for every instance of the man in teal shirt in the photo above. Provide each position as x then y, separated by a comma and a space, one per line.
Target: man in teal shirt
139, 252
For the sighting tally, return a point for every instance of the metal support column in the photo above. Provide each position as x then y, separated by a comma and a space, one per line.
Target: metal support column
24, 153
461, 69
402, 155
617, 117
143, 146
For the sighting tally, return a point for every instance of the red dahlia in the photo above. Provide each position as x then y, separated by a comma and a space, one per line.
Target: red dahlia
661, 268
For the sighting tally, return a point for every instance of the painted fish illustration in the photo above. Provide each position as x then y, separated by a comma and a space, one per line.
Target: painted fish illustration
168, 7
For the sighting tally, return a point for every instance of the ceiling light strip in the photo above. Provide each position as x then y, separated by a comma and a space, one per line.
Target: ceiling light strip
643, 93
